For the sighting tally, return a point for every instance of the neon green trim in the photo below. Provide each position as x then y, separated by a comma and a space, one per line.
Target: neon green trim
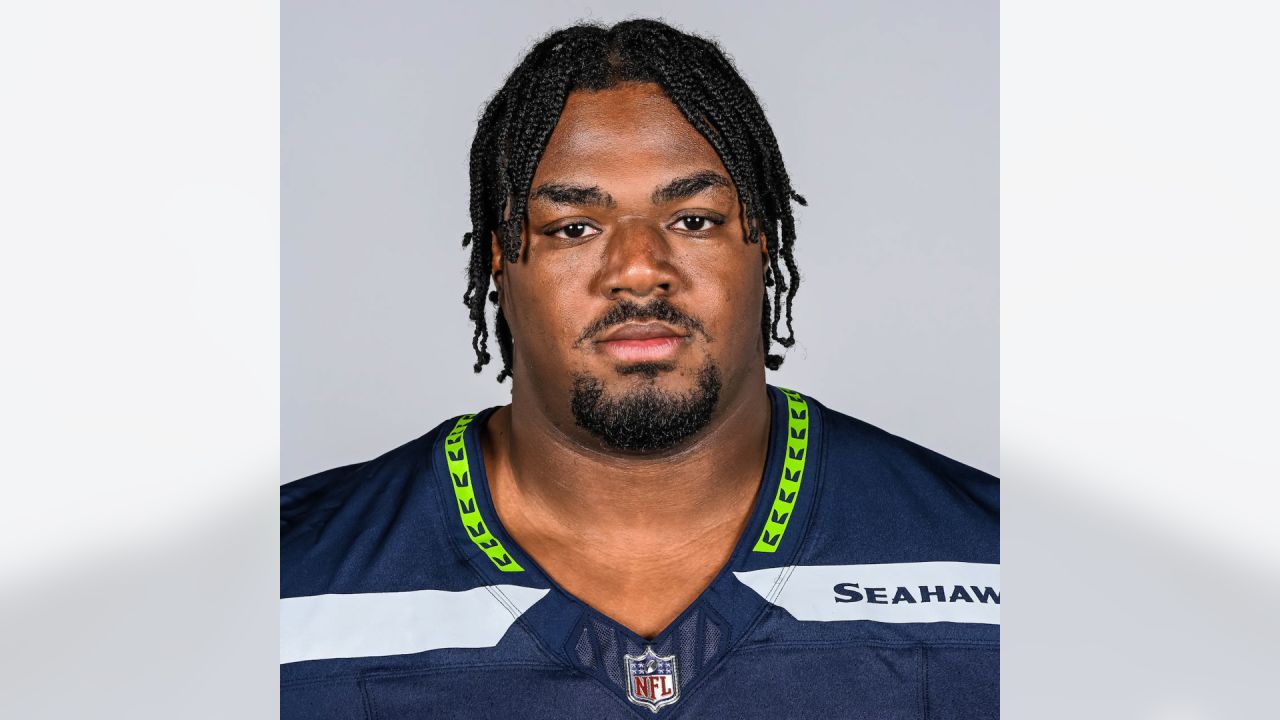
455, 452
792, 473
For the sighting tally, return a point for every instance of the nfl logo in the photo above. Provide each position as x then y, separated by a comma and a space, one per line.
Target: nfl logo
651, 679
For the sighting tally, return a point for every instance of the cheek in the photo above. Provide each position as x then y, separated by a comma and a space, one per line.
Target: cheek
544, 302
726, 295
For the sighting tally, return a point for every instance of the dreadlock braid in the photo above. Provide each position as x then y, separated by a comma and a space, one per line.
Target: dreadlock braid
699, 79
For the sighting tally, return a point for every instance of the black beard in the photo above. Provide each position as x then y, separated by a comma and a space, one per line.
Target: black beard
647, 420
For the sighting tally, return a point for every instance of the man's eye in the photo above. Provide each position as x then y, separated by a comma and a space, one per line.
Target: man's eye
573, 231
695, 223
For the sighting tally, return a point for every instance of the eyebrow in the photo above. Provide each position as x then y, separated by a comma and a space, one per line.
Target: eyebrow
689, 185
573, 195
685, 186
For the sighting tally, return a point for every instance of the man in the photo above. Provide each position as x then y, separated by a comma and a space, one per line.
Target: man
648, 528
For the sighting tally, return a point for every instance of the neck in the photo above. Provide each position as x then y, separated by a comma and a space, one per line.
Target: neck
547, 481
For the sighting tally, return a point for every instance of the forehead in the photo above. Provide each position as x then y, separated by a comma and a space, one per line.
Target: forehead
628, 131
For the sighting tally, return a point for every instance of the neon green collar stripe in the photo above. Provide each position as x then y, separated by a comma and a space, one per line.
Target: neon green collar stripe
784, 503
455, 451
792, 473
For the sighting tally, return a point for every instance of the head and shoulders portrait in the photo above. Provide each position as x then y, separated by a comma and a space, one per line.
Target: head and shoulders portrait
649, 526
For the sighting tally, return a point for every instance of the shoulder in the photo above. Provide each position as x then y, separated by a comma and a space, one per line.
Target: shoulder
884, 491
861, 445
353, 528
320, 498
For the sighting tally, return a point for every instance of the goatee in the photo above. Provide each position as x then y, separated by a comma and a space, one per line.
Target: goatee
648, 419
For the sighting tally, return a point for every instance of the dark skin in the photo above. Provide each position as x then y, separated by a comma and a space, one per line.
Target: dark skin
626, 205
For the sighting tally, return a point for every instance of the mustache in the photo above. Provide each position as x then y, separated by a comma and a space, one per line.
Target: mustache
661, 310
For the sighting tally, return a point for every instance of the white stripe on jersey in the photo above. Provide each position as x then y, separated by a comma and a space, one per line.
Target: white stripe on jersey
888, 592
397, 623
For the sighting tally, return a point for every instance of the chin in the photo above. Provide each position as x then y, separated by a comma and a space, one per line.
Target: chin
649, 414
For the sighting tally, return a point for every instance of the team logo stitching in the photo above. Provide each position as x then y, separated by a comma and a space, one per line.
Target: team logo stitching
652, 680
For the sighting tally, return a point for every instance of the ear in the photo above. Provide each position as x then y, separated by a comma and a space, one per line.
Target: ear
764, 250
495, 255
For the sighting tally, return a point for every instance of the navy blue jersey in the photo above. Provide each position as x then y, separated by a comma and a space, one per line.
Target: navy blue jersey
866, 585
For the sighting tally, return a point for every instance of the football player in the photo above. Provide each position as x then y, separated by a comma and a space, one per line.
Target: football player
648, 527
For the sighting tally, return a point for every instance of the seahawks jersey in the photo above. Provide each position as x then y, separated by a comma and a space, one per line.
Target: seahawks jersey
866, 585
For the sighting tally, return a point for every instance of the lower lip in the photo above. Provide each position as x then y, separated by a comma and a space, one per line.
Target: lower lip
647, 350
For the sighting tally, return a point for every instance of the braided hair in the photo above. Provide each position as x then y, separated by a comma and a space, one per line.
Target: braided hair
698, 78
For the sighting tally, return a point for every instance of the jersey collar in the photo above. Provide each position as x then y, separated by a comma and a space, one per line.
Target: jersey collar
581, 637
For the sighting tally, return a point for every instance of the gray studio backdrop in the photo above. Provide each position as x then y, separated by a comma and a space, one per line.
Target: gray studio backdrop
887, 116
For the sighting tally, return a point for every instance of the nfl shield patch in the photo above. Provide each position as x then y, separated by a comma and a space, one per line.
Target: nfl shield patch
652, 680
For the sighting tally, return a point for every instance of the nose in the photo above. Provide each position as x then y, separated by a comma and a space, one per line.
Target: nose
637, 262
